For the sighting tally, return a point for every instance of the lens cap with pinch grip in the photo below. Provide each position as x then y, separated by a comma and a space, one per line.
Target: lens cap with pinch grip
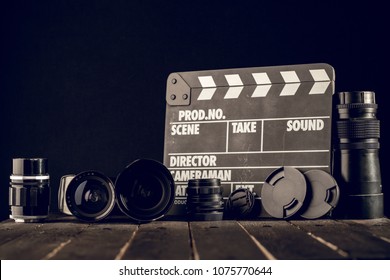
284, 192
325, 194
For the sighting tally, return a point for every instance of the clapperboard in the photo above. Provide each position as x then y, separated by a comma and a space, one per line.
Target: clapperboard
241, 124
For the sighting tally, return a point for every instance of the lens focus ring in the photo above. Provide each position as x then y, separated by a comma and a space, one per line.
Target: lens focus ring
358, 129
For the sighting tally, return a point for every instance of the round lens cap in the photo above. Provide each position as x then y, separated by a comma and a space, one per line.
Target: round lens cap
325, 194
284, 192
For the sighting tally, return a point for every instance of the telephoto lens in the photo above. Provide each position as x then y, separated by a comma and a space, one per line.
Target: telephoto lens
29, 192
204, 200
357, 167
90, 196
145, 190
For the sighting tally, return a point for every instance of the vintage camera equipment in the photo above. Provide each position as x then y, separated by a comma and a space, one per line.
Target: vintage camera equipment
284, 192
239, 124
90, 196
29, 192
64, 183
240, 204
204, 200
323, 195
145, 190
287, 192
356, 158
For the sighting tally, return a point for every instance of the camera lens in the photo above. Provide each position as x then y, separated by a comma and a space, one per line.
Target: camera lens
64, 183
145, 190
29, 192
357, 166
90, 196
204, 200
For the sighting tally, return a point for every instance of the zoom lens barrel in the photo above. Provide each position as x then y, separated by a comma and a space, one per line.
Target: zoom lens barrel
29, 192
204, 200
357, 167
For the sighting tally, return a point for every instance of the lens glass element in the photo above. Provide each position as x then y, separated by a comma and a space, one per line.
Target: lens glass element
145, 190
90, 196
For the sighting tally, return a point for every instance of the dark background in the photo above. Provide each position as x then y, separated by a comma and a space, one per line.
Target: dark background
83, 82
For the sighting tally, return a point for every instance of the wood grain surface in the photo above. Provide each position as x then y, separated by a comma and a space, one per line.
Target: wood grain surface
68, 238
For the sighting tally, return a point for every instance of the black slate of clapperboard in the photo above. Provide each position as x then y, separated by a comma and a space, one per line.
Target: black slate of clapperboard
237, 122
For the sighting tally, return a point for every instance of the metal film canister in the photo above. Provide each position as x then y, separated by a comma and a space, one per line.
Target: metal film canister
29, 192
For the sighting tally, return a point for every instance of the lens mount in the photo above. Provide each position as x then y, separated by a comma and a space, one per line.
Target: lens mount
90, 196
145, 190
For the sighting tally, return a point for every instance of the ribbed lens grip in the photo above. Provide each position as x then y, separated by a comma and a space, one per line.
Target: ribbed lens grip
358, 129
357, 106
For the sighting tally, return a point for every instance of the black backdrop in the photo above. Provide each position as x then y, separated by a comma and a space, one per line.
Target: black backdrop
83, 82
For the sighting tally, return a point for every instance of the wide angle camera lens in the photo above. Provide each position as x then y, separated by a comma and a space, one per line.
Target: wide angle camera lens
145, 190
64, 183
90, 196
29, 192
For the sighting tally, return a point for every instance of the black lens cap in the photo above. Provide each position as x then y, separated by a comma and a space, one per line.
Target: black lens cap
325, 194
90, 196
284, 192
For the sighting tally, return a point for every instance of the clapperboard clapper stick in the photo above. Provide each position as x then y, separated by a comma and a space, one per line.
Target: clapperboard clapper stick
239, 125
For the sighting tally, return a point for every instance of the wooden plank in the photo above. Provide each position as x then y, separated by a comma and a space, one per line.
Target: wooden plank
357, 242
67, 238
38, 241
100, 241
285, 241
378, 227
160, 240
9, 230
223, 240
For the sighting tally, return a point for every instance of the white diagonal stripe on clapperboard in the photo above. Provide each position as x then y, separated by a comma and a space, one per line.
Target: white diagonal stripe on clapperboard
236, 86
292, 83
264, 84
209, 87
321, 79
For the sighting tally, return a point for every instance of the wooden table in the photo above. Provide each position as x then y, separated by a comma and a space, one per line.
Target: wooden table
118, 238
